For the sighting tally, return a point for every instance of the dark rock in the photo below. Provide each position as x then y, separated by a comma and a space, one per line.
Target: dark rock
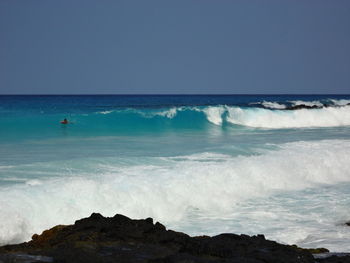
334, 259
121, 239
302, 106
319, 250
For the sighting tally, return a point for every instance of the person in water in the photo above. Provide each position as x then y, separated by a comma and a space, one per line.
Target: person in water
65, 121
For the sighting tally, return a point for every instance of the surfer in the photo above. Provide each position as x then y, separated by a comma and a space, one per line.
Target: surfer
65, 121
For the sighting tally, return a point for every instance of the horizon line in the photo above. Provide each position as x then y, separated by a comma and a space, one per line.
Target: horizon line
178, 94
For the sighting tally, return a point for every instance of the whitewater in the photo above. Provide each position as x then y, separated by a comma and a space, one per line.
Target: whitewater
199, 164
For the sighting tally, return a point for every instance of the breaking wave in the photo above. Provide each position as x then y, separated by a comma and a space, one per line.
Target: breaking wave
167, 191
254, 117
304, 118
138, 120
273, 105
342, 102
308, 103
295, 103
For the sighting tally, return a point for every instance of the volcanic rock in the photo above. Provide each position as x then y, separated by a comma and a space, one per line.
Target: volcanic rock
121, 239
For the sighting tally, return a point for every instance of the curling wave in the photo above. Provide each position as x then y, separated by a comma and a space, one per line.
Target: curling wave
136, 120
257, 117
304, 118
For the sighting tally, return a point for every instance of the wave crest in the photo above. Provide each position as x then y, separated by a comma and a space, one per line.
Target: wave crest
264, 118
247, 116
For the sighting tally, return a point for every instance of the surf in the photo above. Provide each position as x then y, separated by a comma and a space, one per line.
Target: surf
169, 188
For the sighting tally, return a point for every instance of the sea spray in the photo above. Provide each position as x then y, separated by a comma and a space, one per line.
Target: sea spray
213, 184
278, 119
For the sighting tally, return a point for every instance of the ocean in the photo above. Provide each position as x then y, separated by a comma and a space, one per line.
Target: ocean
277, 165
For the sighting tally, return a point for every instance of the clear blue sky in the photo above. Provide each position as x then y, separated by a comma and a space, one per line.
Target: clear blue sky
179, 46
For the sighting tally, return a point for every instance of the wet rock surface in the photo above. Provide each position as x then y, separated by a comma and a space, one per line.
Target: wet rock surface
334, 259
303, 106
121, 239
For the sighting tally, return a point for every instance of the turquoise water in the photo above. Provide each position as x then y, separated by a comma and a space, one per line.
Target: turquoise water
200, 164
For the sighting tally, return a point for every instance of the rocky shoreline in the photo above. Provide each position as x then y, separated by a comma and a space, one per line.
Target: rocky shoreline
121, 239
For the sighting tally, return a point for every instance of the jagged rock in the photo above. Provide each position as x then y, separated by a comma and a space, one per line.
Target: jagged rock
121, 239
335, 259
302, 106
319, 250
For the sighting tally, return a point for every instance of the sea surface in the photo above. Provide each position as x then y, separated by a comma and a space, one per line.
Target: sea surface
200, 164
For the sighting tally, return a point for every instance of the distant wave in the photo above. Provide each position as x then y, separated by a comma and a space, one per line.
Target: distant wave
307, 103
264, 118
340, 102
248, 116
299, 104
105, 112
273, 105
169, 113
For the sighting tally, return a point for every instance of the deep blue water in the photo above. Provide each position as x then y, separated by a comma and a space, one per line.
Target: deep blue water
66, 104
199, 163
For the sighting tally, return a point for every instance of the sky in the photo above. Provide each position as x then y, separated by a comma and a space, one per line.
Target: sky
175, 47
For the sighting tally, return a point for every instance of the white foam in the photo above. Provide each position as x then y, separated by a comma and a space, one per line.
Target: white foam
105, 112
273, 105
167, 113
214, 114
200, 157
341, 102
171, 113
307, 103
264, 118
33, 182
6, 166
167, 192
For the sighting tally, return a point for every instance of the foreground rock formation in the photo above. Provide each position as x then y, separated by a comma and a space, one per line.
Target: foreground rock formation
121, 239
